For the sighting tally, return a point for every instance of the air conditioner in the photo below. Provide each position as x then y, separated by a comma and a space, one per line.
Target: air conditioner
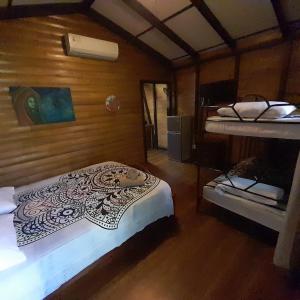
82, 46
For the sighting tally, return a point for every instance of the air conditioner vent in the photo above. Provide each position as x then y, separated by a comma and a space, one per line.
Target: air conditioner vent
82, 46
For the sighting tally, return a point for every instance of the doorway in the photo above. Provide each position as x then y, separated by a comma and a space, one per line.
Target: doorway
157, 104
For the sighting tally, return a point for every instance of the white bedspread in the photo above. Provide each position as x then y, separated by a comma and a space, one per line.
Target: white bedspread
56, 258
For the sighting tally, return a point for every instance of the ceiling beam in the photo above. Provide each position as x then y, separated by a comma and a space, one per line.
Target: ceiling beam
280, 17
168, 18
87, 4
99, 18
155, 22
23, 11
214, 22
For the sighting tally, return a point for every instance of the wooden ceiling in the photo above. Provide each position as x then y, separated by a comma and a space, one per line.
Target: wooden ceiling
172, 29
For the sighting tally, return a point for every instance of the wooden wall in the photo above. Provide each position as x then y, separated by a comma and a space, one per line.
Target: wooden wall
217, 70
185, 79
221, 69
293, 83
31, 54
260, 71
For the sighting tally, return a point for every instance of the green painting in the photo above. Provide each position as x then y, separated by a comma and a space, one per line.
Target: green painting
36, 105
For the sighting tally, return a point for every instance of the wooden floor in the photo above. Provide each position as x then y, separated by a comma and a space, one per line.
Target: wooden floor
208, 255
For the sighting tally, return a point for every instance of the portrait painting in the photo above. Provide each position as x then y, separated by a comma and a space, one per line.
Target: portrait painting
42, 105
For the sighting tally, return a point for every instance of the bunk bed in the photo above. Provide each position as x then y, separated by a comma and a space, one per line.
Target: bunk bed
284, 220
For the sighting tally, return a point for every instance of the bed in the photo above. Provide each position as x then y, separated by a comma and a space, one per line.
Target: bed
66, 223
284, 221
283, 128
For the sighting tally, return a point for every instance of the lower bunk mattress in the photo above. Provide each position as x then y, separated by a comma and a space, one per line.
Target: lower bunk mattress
66, 223
268, 216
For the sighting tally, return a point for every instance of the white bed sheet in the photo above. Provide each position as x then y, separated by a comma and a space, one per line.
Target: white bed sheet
284, 128
55, 259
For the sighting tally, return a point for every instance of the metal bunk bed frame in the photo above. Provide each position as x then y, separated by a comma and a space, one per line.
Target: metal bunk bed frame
287, 234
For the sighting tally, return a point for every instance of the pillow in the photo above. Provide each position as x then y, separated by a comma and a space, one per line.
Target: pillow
279, 173
10, 255
7, 202
253, 109
250, 168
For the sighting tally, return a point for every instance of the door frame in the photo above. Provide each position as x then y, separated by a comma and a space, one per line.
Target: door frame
171, 106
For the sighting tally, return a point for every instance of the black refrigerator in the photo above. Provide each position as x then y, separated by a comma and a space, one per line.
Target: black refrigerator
180, 137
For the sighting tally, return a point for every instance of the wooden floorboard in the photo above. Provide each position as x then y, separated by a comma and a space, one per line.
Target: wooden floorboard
212, 254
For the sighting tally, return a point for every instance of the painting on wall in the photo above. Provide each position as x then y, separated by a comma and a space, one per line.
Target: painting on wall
36, 105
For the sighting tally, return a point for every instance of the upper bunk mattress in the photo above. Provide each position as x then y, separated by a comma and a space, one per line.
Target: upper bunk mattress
284, 128
66, 223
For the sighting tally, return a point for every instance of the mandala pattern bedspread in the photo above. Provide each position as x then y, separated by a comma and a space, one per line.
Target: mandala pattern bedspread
92, 193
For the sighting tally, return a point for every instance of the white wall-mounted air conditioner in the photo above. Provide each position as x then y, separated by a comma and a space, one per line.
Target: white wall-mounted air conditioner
82, 46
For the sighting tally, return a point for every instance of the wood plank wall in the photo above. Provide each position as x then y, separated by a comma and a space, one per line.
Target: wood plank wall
292, 91
260, 73
31, 54
186, 91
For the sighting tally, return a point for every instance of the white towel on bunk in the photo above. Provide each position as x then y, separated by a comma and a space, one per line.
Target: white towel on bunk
253, 109
260, 192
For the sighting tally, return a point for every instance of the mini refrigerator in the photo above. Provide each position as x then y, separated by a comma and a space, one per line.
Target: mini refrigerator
180, 137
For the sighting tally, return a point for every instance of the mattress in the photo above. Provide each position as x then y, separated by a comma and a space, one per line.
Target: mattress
265, 215
252, 191
284, 128
54, 258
